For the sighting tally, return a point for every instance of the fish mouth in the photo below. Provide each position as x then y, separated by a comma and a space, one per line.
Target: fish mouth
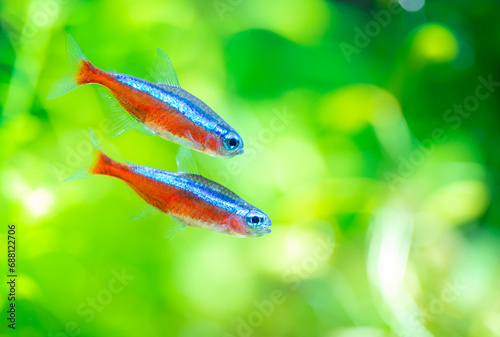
238, 152
261, 232
264, 229
228, 155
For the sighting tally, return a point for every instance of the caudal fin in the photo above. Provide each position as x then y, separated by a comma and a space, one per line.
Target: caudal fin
79, 67
95, 164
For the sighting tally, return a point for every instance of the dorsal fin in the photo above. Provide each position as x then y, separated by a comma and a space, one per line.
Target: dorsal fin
163, 71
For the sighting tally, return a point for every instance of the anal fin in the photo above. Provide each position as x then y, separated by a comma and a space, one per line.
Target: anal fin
145, 211
140, 207
122, 116
174, 229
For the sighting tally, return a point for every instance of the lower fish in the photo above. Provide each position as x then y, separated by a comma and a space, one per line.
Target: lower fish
189, 198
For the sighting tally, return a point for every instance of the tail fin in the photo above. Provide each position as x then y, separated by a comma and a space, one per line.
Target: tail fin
96, 161
78, 65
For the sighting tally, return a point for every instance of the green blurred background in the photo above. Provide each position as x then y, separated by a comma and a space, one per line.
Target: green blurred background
372, 142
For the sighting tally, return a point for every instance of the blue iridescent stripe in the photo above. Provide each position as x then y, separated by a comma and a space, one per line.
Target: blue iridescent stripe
211, 196
174, 101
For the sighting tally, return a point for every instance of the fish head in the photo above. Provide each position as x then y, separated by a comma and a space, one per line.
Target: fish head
257, 223
231, 145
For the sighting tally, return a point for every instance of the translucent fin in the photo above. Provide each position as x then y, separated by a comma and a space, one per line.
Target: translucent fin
163, 71
145, 211
143, 129
186, 162
95, 143
81, 173
120, 120
140, 209
174, 229
84, 172
68, 82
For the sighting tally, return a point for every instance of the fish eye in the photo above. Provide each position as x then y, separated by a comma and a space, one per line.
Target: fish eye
231, 141
254, 219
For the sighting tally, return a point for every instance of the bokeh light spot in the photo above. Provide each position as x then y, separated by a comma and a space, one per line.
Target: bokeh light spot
39, 202
436, 43
354, 107
412, 5
459, 202
302, 22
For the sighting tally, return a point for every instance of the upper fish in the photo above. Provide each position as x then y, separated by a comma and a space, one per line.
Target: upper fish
162, 108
